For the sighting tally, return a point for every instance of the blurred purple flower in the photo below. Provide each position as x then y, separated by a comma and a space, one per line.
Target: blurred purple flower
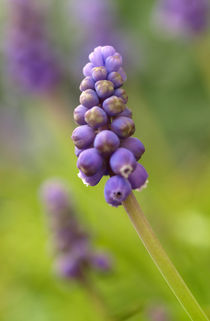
95, 20
74, 253
101, 262
96, 23
30, 57
158, 313
182, 17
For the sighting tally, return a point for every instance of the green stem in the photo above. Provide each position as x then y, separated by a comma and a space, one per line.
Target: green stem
97, 300
162, 261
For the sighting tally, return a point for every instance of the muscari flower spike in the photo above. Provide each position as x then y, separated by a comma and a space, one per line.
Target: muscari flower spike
31, 61
74, 253
103, 142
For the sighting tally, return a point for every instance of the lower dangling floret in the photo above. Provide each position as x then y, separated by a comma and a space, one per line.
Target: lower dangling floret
116, 190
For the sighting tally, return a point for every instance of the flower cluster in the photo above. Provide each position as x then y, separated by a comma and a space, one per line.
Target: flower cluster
103, 142
188, 17
74, 254
31, 62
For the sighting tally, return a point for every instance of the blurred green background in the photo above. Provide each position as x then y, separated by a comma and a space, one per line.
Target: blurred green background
169, 94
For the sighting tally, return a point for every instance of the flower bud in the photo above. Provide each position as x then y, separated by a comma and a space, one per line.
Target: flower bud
107, 51
120, 92
92, 180
96, 117
104, 88
122, 73
138, 178
113, 105
106, 142
116, 190
101, 262
90, 161
96, 57
113, 63
126, 112
83, 136
77, 151
99, 73
87, 83
134, 145
87, 70
67, 267
89, 98
123, 126
79, 114
55, 196
116, 79
123, 162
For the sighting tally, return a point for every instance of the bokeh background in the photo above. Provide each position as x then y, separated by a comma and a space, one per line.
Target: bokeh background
168, 71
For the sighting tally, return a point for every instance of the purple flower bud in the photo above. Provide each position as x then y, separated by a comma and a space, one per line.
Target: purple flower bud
87, 70
106, 142
101, 262
77, 151
89, 98
120, 92
92, 180
107, 51
116, 190
96, 57
79, 115
116, 78
113, 105
122, 73
87, 83
138, 178
113, 63
123, 126
123, 162
104, 88
55, 196
96, 117
134, 145
83, 136
68, 267
99, 73
90, 162
126, 112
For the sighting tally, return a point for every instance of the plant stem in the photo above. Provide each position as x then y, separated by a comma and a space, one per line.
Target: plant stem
162, 261
97, 300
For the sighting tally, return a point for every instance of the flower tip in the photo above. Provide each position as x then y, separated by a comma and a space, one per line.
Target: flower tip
83, 179
143, 186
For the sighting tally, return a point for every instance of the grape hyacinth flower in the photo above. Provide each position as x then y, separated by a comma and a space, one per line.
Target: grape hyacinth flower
96, 22
74, 254
31, 61
109, 149
182, 17
106, 127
